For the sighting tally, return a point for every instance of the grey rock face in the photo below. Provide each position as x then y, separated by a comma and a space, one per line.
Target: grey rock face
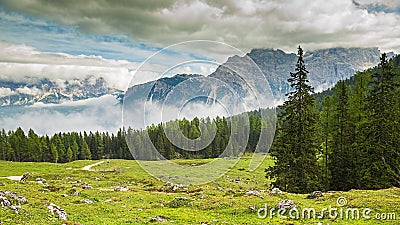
326, 67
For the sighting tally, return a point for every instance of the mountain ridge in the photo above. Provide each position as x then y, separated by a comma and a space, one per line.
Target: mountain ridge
326, 66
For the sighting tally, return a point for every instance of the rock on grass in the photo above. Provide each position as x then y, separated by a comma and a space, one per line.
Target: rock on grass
57, 211
160, 219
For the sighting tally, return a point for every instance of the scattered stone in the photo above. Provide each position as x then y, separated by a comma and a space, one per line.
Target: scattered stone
108, 201
237, 179
286, 204
173, 187
86, 186
15, 208
76, 193
75, 182
41, 179
275, 191
315, 194
220, 188
20, 199
169, 184
252, 207
4, 202
160, 219
97, 179
87, 201
57, 211
177, 186
24, 178
230, 190
118, 188
253, 193
64, 195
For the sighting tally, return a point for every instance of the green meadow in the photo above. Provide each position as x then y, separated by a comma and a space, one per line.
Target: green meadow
222, 201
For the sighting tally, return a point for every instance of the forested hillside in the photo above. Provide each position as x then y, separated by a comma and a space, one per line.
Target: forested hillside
358, 135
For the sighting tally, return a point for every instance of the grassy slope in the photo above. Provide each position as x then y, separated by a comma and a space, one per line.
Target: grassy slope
209, 203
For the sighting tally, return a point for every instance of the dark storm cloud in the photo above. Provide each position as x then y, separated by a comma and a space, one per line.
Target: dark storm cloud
246, 24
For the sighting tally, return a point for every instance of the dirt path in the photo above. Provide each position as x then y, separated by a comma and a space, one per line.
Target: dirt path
17, 178
88, 167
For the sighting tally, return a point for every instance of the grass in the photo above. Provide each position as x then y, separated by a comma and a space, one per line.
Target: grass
209, 203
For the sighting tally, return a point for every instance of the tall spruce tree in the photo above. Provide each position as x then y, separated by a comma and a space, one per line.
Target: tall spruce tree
380, 146
326, 125
342, 157
296, 168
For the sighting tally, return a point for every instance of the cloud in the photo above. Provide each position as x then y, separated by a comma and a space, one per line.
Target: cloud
102, 114
5, 92
29, 91
246, 24
21, 63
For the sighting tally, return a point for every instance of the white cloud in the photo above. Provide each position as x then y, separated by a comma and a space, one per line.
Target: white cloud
29, 91
5, 92
247, 24
105, 100
21, 63
102, 114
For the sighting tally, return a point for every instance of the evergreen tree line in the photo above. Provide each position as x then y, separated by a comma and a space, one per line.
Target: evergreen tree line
348, 139
67, 147
61, 147
231, 137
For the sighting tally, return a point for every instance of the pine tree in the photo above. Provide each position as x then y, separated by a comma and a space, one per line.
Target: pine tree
70, 154
75, 149
296, 168
34, 146
380, 144
342, 158
326, 125
56, 140
54, 153
85, 151
3, 142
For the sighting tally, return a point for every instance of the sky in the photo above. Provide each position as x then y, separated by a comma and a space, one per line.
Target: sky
64, 40
91, 35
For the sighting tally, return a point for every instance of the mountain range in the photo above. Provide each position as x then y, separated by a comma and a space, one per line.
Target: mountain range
34, 90
326, 67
